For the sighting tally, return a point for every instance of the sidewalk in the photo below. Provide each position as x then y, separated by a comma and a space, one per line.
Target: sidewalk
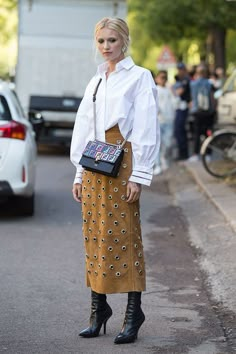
212, 230
221, 193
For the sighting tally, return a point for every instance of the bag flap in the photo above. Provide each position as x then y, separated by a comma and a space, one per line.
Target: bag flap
102, 151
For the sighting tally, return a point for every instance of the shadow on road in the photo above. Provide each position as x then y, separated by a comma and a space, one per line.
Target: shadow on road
9, 211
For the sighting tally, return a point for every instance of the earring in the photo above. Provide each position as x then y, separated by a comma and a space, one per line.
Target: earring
123, 49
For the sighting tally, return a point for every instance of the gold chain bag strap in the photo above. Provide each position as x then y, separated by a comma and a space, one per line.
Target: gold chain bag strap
99, 156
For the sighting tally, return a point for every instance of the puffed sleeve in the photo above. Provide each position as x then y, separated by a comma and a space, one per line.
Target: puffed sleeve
145, 136
83, 131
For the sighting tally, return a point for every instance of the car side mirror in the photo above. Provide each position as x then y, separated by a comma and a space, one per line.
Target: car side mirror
35, 117
37, 121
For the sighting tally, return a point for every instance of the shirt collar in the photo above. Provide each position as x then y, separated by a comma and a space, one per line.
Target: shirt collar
126, 63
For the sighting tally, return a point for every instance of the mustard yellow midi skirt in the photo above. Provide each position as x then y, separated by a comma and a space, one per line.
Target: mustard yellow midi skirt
111, 229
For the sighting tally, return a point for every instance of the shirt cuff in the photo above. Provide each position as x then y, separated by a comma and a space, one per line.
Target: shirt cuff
141, 177
78, 176
77, 180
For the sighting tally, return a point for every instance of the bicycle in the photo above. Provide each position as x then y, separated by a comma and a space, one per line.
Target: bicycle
218, 153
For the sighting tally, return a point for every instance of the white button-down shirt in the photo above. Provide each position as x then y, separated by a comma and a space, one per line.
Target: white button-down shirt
127, 98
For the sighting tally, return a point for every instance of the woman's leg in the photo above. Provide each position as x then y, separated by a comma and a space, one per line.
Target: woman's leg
100, 313
134, 318
181, 133
197, 132
166, 146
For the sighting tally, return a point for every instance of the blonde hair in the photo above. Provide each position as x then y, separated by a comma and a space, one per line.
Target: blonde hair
115, 24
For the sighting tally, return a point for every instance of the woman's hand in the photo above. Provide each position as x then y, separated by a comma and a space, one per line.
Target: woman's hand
133, 192
77, 192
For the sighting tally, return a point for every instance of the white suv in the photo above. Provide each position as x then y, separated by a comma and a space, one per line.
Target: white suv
17, 153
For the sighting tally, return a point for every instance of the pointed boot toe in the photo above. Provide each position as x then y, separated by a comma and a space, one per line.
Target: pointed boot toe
125, 339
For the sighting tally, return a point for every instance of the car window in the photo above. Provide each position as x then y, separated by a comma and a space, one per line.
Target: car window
17, 104
5, 113
230, 85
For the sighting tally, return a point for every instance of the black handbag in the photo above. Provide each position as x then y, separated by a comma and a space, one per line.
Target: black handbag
102, 157
99, 156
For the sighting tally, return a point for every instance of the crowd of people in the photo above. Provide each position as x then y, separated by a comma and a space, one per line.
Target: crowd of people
189, 99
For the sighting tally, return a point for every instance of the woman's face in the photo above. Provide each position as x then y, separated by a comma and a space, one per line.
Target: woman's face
110, 44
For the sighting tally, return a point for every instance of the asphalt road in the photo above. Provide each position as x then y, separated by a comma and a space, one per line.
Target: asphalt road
44, 302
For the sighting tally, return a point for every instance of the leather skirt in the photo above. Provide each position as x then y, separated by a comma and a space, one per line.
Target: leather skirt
111, 229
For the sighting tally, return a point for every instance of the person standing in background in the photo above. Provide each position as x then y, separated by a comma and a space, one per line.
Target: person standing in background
202, 108
221, 77
182, 90
166, 118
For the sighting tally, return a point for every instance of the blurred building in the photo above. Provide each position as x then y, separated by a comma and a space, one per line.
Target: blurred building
56, 55
57, 58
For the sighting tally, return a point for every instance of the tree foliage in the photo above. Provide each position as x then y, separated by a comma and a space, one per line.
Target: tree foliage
8, 36
168, 21
7, 27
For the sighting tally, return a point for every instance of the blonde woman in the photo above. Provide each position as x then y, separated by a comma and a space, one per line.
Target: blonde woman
126, 106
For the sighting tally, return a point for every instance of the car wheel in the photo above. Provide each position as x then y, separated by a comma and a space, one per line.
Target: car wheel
25, 206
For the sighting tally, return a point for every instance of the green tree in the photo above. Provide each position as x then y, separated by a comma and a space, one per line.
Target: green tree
205, 22
8, 33
6, 28
231, 50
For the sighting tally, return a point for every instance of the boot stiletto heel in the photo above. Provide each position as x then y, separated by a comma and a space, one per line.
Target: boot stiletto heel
105, 327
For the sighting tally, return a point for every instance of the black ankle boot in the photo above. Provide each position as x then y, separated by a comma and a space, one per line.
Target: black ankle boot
134, 318
100, 313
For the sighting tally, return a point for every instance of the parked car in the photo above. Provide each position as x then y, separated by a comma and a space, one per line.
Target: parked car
58, 118
17, 153
226, 105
